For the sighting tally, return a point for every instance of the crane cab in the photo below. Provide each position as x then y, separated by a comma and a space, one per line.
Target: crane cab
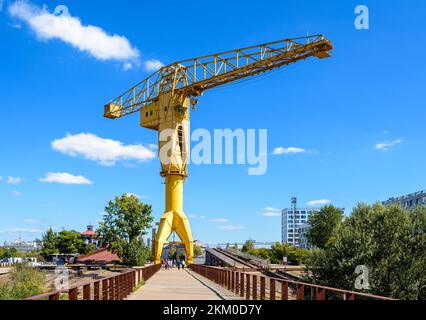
165, 112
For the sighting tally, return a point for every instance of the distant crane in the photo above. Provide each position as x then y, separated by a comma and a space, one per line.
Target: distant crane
164, 100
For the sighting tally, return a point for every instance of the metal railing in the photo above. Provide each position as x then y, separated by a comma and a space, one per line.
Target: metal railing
111, 288
256, 287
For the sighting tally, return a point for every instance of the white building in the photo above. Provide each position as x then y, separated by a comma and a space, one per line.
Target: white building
292, 220
303, 236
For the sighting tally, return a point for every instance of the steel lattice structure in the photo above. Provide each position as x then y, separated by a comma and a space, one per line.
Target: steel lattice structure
193, 76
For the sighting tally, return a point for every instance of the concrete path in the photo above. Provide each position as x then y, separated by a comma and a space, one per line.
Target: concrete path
180, 285
5, 270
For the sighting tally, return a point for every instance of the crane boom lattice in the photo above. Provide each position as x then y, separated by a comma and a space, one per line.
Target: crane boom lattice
193, 76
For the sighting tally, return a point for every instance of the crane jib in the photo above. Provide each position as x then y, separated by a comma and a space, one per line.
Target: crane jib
192, 77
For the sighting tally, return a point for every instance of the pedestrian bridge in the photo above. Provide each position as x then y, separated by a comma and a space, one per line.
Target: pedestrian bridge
183, 284
200, 282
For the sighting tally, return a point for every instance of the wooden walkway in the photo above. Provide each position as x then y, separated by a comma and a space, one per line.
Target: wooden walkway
181, 285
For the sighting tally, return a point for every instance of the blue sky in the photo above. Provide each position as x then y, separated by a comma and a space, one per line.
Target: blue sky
361, 111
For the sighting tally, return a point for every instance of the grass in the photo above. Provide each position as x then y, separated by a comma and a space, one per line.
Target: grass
25, 282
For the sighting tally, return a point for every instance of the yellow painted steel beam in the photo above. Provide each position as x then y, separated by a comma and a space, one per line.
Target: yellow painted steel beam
193, 76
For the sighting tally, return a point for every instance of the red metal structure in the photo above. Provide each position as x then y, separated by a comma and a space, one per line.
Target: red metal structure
255, 287
112, 288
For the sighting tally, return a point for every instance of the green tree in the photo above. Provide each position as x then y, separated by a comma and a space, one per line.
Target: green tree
49, 240
324, 225
172, 252
125, 222
197, 251
70, 242
390, 241
11, 253
248, 246
263, 253
298, 256
279, 251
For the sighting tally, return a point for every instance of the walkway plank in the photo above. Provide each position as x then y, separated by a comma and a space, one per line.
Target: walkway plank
177, 285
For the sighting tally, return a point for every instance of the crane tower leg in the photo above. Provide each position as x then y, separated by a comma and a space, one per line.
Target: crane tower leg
174, 219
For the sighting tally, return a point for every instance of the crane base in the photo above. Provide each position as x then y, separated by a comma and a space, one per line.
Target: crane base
174, 221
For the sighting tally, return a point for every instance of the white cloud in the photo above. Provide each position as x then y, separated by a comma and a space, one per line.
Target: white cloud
65, 178
271, 212
318, 203
15, 25
385, 146
19, 230
219, 220
14, 180
127, 66
153, 65
232, 228
104, 151
16, 193
291, 150
136, 195
86, 38
1, 178
194, 216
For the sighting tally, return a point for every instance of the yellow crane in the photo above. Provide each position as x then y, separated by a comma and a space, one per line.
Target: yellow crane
164, 100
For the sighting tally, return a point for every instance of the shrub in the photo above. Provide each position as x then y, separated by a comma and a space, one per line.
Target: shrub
25, 282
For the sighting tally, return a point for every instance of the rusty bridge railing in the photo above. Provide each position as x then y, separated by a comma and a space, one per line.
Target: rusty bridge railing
116, 287
257, 287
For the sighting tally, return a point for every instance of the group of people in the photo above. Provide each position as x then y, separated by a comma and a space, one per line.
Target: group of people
168, 264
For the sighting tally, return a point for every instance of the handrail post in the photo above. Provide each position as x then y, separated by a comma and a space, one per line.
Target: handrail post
247, 286
73, 294
232, 281
242, 287
272, 289
319, 293
262, 288
237, 282
254, 287
105, 289
300, 291
54, 296
116, 288
349, 296
86, 292
111, 295
96, 290
284, 290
